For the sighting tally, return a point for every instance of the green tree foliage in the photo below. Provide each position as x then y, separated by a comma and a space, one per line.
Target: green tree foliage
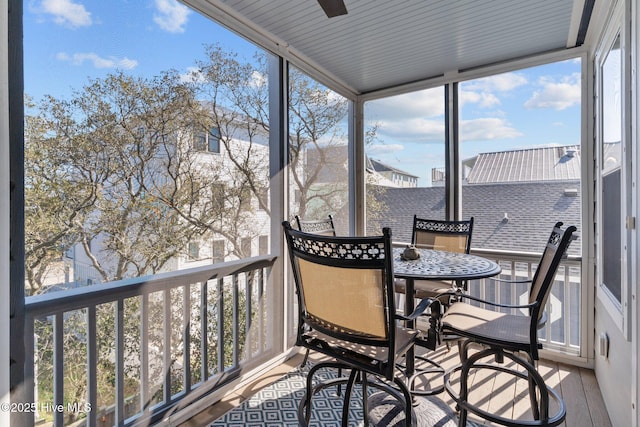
113, 172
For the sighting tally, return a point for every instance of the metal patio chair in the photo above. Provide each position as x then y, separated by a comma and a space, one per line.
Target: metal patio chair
452, 236
508, 334
323, 227
346, 311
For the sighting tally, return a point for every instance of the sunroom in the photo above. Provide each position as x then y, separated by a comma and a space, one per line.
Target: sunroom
516, 113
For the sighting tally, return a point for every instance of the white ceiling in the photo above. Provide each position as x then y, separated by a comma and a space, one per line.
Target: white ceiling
381, 44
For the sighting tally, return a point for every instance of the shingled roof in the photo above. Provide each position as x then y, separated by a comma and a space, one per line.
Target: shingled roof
532, 209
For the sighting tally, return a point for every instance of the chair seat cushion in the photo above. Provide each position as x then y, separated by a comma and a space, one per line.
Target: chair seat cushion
425, 288
404, 339
509, 330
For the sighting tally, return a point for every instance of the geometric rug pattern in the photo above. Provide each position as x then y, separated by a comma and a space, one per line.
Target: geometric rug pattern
277, 404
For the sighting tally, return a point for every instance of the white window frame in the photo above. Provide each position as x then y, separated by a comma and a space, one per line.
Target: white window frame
620, 311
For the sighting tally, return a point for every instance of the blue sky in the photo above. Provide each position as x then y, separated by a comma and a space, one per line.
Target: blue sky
67, 42
534, 107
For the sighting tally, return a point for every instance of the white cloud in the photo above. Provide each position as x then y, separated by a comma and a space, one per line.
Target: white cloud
384, 148
486, 129
258, 79
66, 12
483, 99
483, 91
97, 61
413, 129
427, 103
558, 95
192, 75
500, 83
171, 16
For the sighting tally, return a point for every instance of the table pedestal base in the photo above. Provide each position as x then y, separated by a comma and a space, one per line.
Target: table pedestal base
386, 411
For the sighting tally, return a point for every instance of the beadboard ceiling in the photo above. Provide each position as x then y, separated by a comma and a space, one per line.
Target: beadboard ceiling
383, 44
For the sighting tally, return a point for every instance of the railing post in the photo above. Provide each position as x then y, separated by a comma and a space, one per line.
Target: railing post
186, 338
58, 369
236, 321
119, 326
204, 336
248, 289
166, 354
144, 349
92, 366
221, 330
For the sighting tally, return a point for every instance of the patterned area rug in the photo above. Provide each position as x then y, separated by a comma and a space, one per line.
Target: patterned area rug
277, 405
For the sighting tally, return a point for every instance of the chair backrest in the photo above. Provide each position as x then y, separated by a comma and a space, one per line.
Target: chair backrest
323, 227
344, 286
452, 236
545, 274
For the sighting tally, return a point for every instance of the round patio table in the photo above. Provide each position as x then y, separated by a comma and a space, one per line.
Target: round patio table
437, 265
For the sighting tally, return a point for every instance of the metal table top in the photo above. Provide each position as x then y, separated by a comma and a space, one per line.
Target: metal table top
443, 265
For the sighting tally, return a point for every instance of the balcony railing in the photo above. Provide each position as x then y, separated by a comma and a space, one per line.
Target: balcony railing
144, 344
562, 331
125, 352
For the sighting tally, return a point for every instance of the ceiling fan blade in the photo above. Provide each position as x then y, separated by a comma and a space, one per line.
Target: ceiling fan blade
333, 7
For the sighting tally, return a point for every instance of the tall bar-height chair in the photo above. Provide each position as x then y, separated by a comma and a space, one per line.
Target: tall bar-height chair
324, 227
346, 311
452, 236
508, 335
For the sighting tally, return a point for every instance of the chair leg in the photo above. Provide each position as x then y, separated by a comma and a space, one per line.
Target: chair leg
408, 402
540, 406
347, 396
533, 391
304, 363
304, 408
304, 360
365, 397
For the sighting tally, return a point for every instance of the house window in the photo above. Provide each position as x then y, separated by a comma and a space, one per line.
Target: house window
213, 140
263, 245
245, 199
218, 192
610, 165
614, 184
200, 141
263, 199
245, 247
207, 141
193, 251
217, 251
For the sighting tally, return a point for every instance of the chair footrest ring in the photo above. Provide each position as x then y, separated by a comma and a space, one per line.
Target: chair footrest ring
536, 386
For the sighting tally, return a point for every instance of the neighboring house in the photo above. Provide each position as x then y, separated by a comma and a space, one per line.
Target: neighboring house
515, 198
526, 165
251, 225
254, 229
529, 165
388, 176
503, 218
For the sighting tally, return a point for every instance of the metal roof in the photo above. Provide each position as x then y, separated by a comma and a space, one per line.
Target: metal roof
383, 44
378, 166
535, 164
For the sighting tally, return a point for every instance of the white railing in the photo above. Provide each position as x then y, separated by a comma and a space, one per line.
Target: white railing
123, 353
562, 330
131, 350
